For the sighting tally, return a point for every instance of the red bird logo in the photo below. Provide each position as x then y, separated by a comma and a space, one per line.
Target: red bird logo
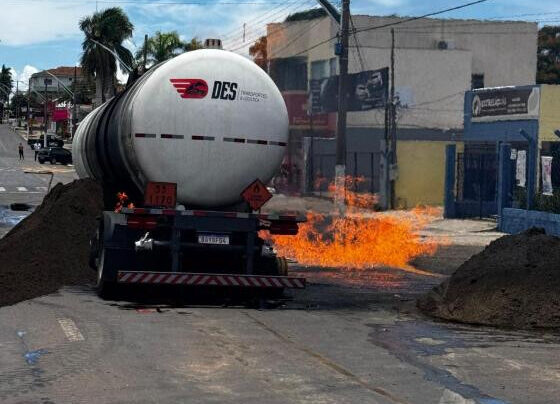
190, 88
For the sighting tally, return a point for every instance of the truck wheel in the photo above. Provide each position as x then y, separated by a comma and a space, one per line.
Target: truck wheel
93, 251
105, 290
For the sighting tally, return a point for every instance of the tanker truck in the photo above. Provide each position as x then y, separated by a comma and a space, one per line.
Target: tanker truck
193, 141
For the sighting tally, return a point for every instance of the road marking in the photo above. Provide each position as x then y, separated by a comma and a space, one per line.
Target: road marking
70, 330
22, 189
450, 397
41, 189
2, 189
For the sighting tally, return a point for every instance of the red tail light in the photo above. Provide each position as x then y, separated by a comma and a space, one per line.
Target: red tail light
141, 222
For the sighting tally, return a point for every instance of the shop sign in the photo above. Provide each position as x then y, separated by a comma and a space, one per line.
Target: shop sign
505, 104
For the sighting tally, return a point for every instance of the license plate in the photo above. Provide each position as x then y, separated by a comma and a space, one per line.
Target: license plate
213, 239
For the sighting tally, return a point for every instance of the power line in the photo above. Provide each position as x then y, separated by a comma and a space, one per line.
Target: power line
255, 37
263, 17
396, 23
266, 15
472, 3
155, 2
238, 44
297, 36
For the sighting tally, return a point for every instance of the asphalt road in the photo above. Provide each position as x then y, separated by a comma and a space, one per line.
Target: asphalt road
347, 338
18, 186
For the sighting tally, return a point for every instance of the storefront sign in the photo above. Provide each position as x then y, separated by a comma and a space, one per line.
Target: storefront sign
546, 175
297, 105
367, 90
505, 104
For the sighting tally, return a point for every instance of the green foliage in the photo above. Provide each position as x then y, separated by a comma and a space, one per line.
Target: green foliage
163, 46
6, 83
306, 15
18, 101
110, 27
548, 62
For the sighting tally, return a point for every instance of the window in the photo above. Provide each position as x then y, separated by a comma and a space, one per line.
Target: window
477, 81
289, 73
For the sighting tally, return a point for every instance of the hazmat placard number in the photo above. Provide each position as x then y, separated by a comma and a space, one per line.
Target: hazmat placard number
162, 194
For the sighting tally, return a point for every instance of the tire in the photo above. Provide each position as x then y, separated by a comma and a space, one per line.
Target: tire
93, 251
41, 161
105, 290
275, 266
53, 161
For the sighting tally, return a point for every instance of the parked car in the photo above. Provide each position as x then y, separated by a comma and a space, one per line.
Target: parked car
55, 155
52, 141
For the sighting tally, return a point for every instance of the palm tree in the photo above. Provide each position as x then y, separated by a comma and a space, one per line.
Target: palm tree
163, 46
110, 27
6, 83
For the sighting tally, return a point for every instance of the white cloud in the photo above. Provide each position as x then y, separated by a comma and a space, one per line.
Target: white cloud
27, 23
23, 77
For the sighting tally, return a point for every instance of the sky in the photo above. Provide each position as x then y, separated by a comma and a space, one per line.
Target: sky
43, 34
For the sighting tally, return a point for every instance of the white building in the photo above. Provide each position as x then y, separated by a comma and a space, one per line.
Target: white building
64, 77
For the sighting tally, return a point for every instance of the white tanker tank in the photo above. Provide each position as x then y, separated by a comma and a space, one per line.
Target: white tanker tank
209, 120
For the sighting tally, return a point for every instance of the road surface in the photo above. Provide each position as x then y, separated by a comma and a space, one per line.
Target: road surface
345, 339
18, 186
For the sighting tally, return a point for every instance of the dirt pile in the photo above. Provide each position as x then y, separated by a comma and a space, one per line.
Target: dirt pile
514, 282
50, 247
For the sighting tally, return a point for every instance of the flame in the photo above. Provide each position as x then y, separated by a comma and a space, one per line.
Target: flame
122, 201
361, 239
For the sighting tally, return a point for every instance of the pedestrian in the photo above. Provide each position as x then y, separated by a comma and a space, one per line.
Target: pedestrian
20, 148
36, 148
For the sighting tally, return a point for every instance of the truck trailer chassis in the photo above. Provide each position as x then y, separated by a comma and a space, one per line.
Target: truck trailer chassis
195, 248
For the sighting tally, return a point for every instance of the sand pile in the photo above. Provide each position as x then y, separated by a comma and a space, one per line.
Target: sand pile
50, 247
514, 282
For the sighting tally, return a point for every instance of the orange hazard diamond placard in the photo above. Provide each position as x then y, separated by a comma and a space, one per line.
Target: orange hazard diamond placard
256, 194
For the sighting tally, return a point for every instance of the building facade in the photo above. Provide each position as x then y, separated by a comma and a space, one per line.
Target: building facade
525, 118
435, 62
42, 81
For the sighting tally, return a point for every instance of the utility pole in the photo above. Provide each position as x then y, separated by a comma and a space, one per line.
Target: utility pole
28, 105
17, 102
74, 106
45, 117
244, 26
393, 129
340, 168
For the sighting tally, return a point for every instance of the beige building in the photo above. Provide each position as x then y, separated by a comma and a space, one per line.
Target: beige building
436, 61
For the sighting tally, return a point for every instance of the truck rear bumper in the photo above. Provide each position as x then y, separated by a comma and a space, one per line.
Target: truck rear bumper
202, 279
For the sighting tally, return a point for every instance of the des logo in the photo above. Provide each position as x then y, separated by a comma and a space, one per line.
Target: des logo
190, 88
224, 90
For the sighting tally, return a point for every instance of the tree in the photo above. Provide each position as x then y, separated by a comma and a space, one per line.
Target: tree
259, 53
110, 27
306, 15
6, 83
18, 102
548, 62
193, 44
161, 47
